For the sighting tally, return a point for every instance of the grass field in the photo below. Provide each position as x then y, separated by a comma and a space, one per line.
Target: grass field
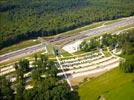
113, 85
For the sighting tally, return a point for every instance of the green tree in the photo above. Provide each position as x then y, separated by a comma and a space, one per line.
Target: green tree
128, 65
127, 48
91, 45
21, 67
24, 65
44, 88
36, 75
20, 91
6, 92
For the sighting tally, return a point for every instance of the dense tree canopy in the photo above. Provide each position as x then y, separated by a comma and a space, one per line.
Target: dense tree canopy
90, 45
24, 19
6, 92
110, 40
128, 65
127, 44
46, 84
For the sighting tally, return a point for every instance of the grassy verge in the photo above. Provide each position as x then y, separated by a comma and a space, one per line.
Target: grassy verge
121, 29
50, 49
12, 61
106, 53
30, 56
113, 21
19, 46
125, 28
111, 85
76, 31
87, 27
32, 42
71, 32
79, 52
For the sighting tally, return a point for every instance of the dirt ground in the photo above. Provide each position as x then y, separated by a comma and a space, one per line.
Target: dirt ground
78, 80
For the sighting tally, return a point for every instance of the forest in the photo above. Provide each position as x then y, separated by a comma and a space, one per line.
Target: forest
26, 19
46, 85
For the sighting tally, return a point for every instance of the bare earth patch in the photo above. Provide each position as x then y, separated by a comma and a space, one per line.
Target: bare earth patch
76, 81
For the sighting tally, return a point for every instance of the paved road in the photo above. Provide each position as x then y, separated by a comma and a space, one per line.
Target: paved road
74, 45
21, 52
86, 34
123, 23
81, 35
